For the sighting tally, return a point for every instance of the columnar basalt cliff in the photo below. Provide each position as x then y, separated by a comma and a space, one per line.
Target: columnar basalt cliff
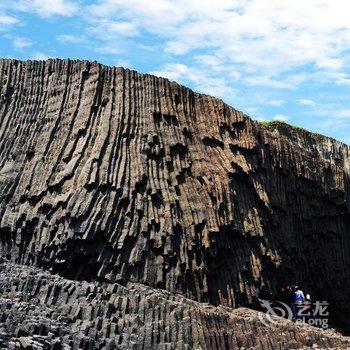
111, 175
318, 145
44, 311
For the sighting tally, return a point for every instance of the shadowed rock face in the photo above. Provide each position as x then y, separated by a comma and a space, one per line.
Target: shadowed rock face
109, 174
45, 311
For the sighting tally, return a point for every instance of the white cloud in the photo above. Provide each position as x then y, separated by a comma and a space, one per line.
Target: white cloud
249, 110
228, 48
110, 37
21, 43
268, 37
202, 81
306, 102
109, 29
68, 38
339, 78
109, 50
329, 118
343, 113
281, 117
343, 81
47, 8
289, 82
123, 63
216, 64
6, 20
40, 56
275, 103
172, 71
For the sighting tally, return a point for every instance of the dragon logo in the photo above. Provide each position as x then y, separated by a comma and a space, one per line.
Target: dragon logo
273, 312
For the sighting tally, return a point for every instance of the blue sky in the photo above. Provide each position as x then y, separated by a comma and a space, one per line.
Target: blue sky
286, 60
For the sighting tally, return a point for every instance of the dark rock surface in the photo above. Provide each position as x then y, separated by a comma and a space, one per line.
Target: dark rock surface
44, 311
329, 149
110, 175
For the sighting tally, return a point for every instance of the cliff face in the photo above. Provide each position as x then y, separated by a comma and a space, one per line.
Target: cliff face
42, 311
109, 174
331, 150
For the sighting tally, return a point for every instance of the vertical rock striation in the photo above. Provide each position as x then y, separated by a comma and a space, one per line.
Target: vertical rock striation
108, 174
41, 311
318, 145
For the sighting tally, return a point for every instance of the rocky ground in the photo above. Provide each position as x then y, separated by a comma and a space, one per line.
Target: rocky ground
44, 311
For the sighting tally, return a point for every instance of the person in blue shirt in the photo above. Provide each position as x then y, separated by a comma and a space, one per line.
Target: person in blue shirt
298, 295
299, 299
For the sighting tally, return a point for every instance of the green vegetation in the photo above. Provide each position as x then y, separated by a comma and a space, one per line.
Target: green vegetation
277, 123
280, 123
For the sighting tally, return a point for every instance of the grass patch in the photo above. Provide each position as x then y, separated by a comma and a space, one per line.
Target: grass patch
280, 123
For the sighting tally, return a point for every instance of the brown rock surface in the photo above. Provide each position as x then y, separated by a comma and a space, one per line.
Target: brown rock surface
57, 313
109, 174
